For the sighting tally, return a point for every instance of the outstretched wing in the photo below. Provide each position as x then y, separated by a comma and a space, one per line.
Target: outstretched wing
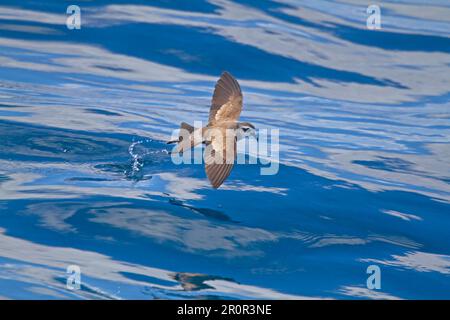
220, 154
227, 100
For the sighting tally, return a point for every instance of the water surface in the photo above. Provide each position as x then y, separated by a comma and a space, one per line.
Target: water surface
86, 179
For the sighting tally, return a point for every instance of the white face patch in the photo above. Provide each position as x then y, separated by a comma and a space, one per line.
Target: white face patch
245, 131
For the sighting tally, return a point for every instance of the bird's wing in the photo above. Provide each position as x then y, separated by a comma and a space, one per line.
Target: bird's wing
227, 100
220, 154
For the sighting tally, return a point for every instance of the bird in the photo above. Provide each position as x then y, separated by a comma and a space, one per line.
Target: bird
221, 133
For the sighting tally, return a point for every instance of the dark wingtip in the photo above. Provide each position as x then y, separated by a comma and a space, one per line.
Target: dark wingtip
214, 185
226, 73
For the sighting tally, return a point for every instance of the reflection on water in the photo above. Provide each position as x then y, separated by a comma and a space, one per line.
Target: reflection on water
86, 178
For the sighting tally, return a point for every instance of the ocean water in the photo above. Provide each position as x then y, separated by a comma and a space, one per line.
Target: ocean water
364, 160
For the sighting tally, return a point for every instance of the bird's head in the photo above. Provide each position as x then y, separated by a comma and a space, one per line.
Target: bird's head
246, 129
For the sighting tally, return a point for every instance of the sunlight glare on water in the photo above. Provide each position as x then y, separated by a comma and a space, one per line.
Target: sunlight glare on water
86, 177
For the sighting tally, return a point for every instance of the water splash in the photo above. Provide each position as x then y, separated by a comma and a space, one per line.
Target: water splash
137, 156
142, 155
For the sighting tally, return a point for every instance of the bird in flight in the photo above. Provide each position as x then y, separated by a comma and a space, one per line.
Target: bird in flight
222, 132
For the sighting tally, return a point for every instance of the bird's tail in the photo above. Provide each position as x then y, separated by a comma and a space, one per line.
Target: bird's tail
183, 126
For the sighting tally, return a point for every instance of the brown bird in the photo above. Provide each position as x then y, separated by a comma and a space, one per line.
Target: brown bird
221, 133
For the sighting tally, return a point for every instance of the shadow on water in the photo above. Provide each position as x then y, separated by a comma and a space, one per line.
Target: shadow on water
209, 213
142, 227
158, 230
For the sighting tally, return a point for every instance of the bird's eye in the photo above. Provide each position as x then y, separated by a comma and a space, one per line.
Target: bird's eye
245, 129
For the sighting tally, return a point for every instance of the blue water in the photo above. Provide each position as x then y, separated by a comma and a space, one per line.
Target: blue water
86, 178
